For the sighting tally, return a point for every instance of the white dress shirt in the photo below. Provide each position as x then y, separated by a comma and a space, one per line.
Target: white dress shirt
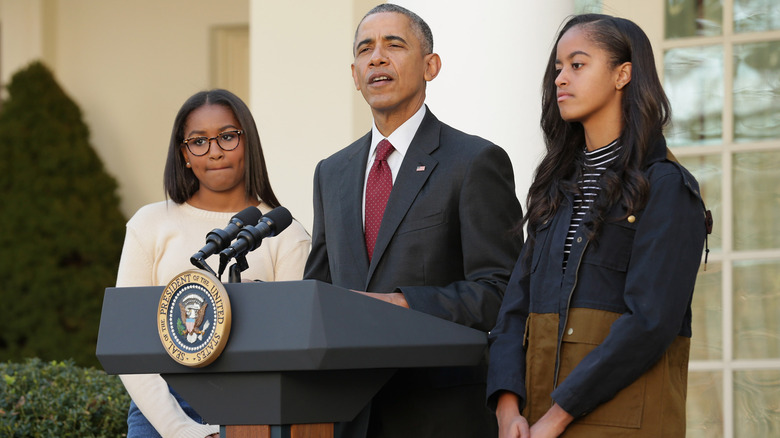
401, 138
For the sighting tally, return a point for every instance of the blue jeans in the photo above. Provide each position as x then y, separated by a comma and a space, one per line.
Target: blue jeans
139, 427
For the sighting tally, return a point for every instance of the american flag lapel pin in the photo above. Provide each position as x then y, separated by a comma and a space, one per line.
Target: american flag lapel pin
421, 168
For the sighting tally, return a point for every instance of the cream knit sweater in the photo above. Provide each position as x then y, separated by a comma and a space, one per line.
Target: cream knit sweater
160, 240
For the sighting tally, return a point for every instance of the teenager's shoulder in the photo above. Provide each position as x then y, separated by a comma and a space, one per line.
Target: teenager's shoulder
159, 214
666, 171
153, 210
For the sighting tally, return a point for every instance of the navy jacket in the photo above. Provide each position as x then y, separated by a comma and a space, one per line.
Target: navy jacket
582, 336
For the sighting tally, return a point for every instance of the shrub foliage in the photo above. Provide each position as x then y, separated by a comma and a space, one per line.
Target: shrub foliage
61, 229
58, 399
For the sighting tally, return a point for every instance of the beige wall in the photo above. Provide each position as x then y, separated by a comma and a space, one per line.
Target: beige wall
301, 90
647, 14
128, 64
21, 29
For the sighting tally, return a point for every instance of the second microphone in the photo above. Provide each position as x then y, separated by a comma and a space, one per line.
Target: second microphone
250, 237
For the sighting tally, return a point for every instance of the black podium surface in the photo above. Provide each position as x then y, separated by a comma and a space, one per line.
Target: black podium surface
298, 352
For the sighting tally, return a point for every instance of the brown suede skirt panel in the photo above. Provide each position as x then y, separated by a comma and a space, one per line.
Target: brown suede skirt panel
651, 406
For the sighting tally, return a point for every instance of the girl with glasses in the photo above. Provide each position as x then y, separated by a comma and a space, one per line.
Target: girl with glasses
215, 168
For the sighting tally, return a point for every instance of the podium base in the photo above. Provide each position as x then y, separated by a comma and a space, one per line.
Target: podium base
318, 430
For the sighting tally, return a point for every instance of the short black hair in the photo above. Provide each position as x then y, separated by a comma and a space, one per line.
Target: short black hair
419, 25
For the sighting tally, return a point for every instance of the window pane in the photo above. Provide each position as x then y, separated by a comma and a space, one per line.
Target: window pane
587, 6
757, 91
756, 310
693, 80
757, 403
756, 15
708, 171
756, 200
704, 405
707, 308
686, 18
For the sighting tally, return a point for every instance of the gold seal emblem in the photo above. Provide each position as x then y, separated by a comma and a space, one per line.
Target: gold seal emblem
193, 318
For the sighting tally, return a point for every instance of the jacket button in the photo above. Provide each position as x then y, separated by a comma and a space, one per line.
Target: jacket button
571, 331
631, 219
579, 239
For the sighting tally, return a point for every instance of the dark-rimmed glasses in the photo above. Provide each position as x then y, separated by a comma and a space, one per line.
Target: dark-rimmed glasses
227, 141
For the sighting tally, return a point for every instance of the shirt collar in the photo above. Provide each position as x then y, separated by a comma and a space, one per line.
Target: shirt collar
402, 137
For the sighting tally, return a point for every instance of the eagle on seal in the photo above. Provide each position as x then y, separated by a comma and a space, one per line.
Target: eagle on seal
192, 317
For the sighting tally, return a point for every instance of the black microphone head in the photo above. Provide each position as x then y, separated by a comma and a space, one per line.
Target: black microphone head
278, 219
248, 216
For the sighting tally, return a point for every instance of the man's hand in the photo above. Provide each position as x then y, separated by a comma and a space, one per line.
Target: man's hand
396, 298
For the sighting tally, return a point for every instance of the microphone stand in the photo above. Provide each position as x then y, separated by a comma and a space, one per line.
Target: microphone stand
200, 262
234, 275
253, 238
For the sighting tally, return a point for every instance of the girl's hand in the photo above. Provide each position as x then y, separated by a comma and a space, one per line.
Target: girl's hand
552, 424
514, 427
510, 423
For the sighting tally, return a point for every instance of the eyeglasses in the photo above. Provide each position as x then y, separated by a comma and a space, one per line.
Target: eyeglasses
227, 141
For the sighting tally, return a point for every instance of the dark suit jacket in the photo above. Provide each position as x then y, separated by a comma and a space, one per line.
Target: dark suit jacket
445, 240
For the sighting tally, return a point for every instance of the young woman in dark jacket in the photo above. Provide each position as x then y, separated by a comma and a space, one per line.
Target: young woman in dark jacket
594, 332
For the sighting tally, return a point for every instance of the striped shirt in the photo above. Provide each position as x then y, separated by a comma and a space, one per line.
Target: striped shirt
596, 162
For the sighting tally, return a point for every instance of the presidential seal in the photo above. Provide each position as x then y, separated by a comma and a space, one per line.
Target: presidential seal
193, 318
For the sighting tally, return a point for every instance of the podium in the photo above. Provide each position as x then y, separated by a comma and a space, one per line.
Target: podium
299, 353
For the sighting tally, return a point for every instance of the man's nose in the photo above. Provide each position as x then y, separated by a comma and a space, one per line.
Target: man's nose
378, 56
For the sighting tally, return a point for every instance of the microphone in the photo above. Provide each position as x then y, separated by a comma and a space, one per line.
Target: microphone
249, 238
218, 239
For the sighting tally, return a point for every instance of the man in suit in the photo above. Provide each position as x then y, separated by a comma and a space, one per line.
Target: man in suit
442, 244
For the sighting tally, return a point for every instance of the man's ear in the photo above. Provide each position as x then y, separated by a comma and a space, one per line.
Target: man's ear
623, 75
355, 77
432, 66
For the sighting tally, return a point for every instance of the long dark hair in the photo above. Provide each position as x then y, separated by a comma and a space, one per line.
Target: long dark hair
645, 109
180, 182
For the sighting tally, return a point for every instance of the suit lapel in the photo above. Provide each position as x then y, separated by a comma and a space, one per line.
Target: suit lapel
351, 203
417, 167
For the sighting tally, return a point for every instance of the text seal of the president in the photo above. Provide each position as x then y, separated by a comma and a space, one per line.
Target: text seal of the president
193, 318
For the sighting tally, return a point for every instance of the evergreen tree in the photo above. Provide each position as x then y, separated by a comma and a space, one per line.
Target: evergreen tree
61, 230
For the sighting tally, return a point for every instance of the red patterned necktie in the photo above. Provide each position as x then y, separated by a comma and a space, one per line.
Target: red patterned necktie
378, 187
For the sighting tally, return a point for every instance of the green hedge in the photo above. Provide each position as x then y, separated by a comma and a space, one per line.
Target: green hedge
59, 399
61, 230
